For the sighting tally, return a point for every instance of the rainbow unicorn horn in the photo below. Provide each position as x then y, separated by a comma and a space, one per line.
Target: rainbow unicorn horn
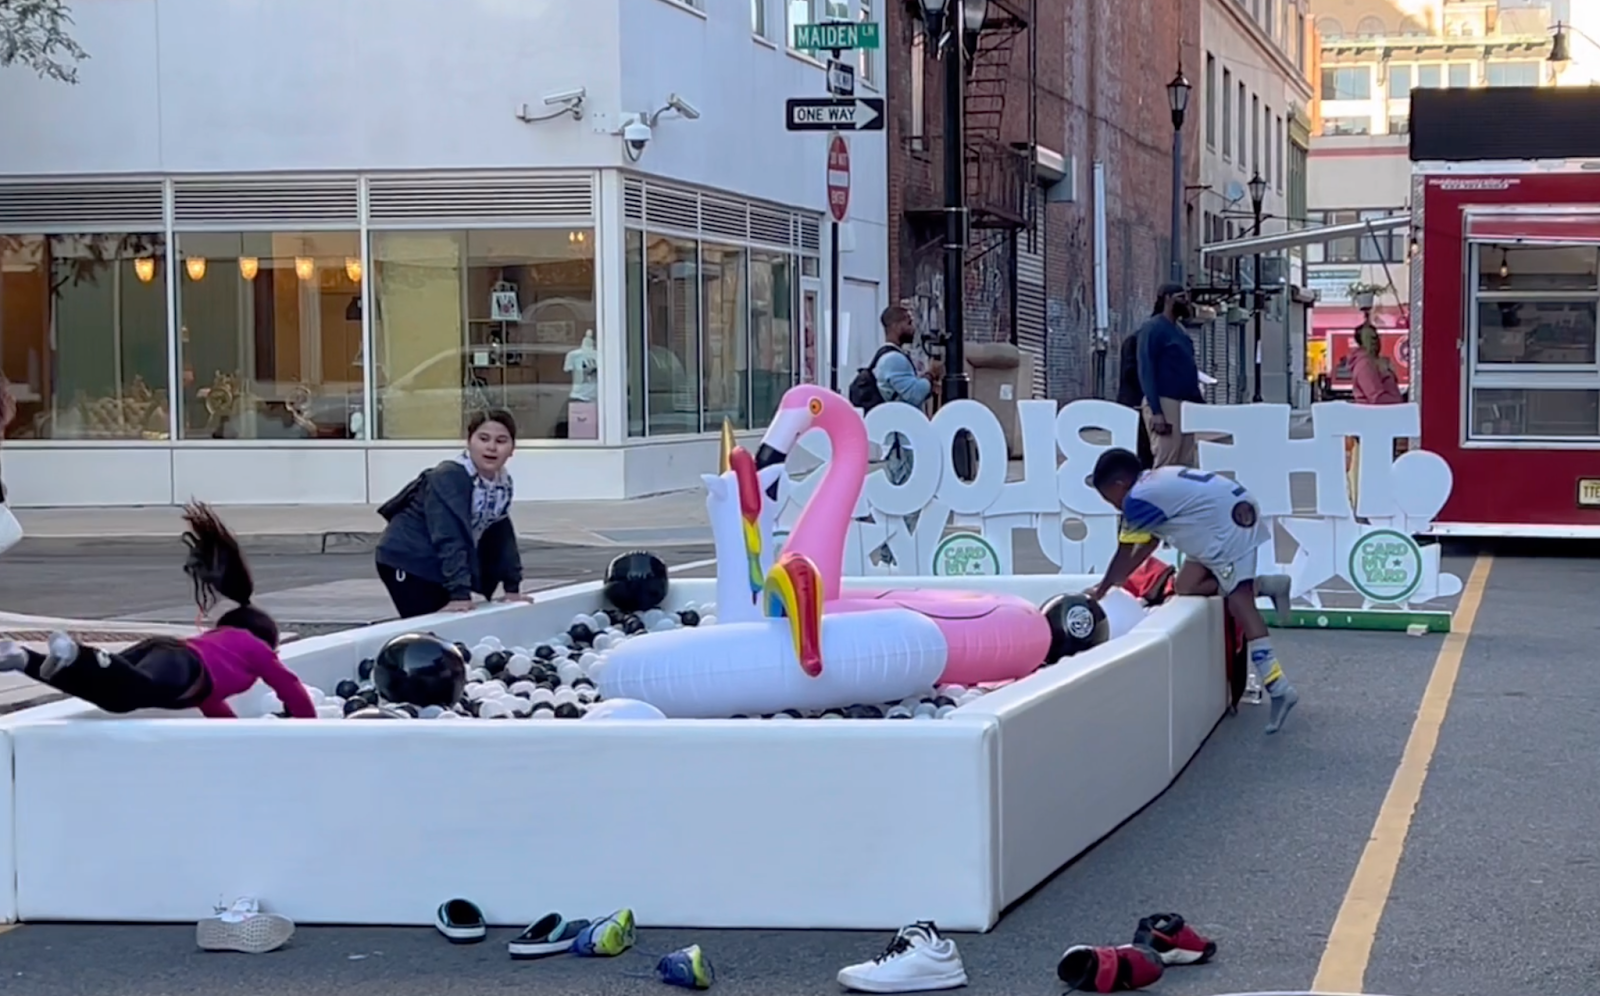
724, 463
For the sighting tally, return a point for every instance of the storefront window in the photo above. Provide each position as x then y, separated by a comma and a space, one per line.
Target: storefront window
725, 346
83, 335
672, 336
772, 344
464, 321
1534, 358
269, 337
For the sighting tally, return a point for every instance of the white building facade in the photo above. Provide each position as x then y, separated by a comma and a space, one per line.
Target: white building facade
1254, 97
280, 253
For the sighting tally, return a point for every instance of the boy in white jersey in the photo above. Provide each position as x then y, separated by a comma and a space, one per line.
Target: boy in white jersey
1217, 526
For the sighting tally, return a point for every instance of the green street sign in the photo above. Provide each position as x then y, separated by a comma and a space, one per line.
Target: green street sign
836, 35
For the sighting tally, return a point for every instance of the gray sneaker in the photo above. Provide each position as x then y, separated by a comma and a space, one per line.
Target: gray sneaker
1276, 587
244, 928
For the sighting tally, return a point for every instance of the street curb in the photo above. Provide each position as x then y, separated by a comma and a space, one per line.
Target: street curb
292, 544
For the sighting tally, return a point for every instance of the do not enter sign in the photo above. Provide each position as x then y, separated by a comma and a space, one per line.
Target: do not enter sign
838, 177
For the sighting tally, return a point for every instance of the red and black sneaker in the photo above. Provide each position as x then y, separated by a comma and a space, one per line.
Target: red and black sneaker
1173, 941
1109, 970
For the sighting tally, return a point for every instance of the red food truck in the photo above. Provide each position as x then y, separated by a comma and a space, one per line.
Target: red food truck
1504, 299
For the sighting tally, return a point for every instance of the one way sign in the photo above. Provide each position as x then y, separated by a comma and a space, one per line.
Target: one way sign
827, 114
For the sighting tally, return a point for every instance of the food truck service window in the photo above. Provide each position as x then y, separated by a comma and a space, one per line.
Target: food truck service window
1533, 372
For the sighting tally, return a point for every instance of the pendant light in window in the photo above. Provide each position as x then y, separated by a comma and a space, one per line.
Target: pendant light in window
352, 269
1505, 265
196, 267
145, 269
249, 266
305, 267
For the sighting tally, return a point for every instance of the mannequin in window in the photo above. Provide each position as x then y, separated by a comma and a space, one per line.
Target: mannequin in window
582, 363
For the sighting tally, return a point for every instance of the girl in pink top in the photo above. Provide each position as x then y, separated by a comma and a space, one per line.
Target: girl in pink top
201, 672
1373, 377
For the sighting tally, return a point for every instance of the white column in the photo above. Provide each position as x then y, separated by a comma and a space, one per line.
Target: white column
611, 312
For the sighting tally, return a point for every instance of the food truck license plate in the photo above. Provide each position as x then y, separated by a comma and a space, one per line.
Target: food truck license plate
1589, 492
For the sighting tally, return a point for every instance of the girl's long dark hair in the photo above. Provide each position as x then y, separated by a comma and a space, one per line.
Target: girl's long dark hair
217, 567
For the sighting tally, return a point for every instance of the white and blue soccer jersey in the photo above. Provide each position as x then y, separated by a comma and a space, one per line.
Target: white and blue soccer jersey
1206, 517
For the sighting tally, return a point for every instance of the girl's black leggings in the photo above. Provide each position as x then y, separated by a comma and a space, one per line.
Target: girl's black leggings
159, 673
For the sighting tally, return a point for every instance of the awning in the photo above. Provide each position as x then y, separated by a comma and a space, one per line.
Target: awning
1577, 226
1302, 237
1343, 319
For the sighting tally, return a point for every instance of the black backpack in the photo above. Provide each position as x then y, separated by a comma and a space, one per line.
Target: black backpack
864, 393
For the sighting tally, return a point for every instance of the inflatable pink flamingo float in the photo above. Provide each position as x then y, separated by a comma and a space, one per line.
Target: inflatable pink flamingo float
990, 637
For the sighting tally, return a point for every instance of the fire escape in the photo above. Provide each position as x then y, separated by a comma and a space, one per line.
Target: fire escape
998, 153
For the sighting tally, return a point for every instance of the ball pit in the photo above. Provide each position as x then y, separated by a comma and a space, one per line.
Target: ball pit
690, 822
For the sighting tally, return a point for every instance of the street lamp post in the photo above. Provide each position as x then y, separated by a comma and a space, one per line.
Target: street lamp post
1258, 193
946, 34
1178, 102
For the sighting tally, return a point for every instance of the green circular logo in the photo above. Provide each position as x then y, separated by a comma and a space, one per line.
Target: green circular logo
965, 555
1386, 566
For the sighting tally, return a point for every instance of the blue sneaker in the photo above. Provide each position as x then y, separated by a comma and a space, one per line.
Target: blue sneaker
687, 967
606, 937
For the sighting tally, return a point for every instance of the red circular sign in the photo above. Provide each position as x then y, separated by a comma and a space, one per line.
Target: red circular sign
838, 177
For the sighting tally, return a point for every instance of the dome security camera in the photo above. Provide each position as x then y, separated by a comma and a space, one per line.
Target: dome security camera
637, 135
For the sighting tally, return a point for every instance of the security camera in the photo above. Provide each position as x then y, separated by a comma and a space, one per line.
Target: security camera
683, 107
571, 96
637, 135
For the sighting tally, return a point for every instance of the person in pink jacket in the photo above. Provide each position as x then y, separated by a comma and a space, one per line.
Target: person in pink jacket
1373, 375
201, 672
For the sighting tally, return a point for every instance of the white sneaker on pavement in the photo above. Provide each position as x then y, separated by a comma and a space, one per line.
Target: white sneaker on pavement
919, 959
244, 928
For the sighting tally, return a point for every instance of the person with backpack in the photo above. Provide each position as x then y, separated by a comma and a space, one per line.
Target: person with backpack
891, 376
450, 531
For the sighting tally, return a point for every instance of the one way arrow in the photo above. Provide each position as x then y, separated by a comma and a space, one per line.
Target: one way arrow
827, 114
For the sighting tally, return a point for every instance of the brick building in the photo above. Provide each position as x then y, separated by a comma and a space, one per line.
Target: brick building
1054, 86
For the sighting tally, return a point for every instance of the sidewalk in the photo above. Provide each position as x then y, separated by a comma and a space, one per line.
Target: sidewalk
674, 519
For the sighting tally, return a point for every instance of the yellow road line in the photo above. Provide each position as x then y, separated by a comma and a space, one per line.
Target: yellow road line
1344, 960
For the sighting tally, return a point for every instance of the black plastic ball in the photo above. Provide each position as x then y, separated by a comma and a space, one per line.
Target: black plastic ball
1077, 623
408, 709
792, 713
633, 626
544, 652
346, 688
421, 670
943, 700
465, 651
578, 683
581, 635
364, 669
567, 710
636, 582
689, 617
864, 712
496, 662
615, 616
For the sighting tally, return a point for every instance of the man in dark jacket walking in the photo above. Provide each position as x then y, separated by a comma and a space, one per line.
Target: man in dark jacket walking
1168, 377
1130, 395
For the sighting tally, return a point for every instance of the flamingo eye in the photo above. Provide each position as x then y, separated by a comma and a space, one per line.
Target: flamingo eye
816, 407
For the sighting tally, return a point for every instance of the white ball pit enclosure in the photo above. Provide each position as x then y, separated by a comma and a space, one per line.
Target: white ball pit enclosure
857, 824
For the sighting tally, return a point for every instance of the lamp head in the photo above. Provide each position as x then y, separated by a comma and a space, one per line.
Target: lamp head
1258, 190
1178, 97
1560, 48
933, 15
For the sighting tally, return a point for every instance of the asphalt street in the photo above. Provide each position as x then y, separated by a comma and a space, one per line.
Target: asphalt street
1256, 844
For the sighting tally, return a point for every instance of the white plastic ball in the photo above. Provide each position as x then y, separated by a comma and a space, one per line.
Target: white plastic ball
327, 711
543, 697
623, 709
781, 715
493, 643
518, 705
523, 688
430, 712
519, 665
588, 659
316, 695
565, 695
710, 620
544, 714
478, 674
481, 650
944, 711
603, 641
569, 673
924, 711
661, 626
448, 714
708, 609
954, 691
494, 709
560, 640
599, 622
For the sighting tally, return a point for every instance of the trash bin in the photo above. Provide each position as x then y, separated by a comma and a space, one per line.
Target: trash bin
996, 370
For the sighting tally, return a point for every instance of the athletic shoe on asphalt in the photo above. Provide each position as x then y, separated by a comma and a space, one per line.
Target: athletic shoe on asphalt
1109, 970
1276, 587
1173, 941
687, 967
919, 959
460, 922
551, 934
606, 938
244, 928
1282, 702
12, 656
